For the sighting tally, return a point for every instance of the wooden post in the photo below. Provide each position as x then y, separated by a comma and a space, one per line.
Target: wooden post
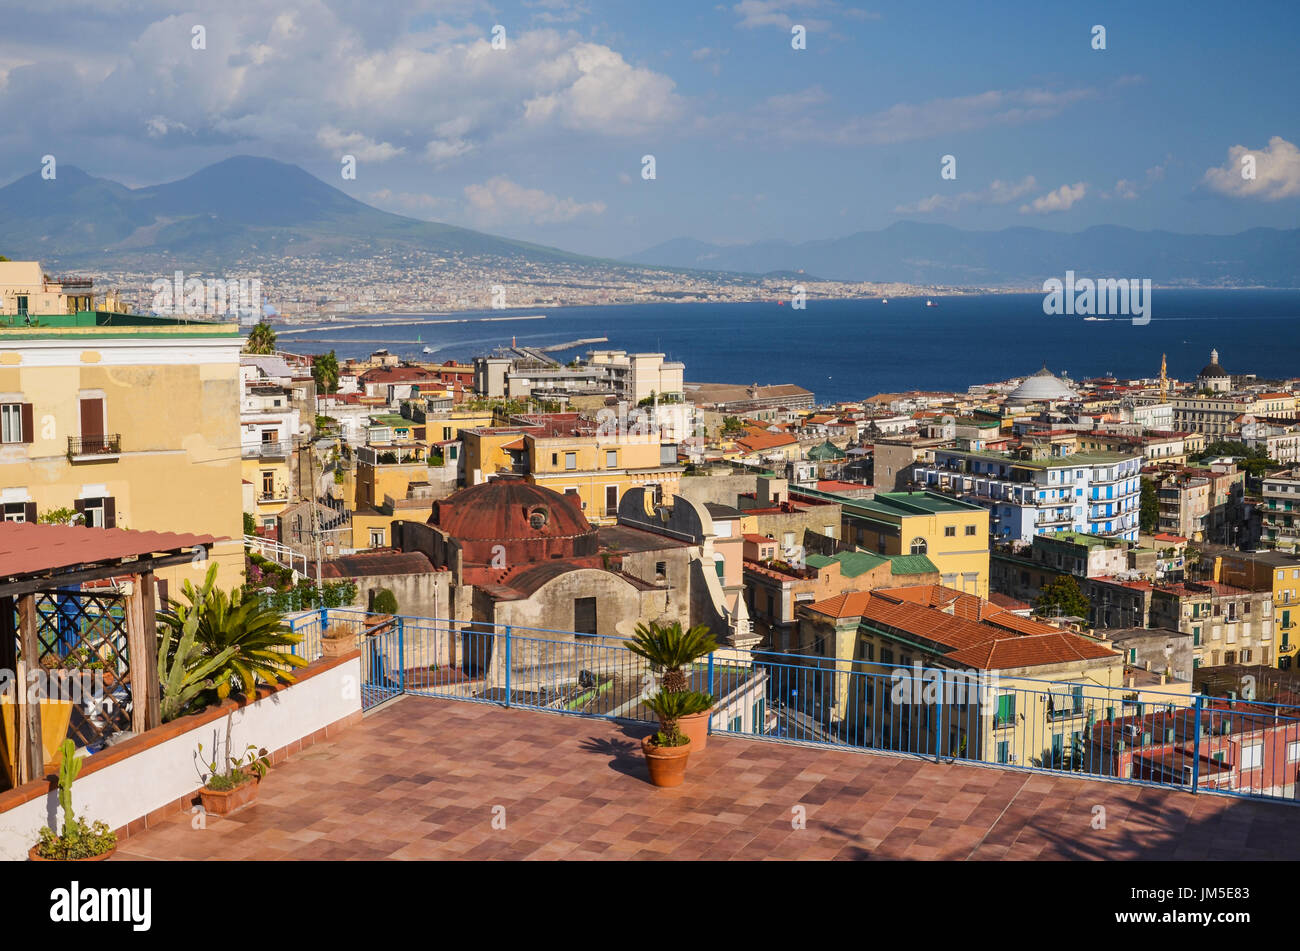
9, 662
142, 648
31, 751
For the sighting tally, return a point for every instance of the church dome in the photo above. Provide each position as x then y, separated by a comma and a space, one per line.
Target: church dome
1212, 370
524, 522
1042, 387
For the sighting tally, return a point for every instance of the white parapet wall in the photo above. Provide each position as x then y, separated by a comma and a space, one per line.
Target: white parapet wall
126, 784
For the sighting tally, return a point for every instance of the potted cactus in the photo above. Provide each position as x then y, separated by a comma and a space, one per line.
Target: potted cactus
78, 841
669, 649
667, 752
231, 782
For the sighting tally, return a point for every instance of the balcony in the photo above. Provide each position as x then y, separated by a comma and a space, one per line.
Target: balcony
278, 494
1054, 518
269, 451
104, 448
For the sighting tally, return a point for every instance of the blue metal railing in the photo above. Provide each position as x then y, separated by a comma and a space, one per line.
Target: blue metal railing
1150, 735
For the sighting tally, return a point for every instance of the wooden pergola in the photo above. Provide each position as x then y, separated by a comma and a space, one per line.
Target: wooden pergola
38, 560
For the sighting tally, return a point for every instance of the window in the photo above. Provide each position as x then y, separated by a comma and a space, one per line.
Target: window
919, 546
15, 422
555, 458
584, 615
949, 531
611, 459
1293, 751
611, 500
828, 530
1006, 715
376, 538
787, 540
971, 529
22, 305
1252, 756
100, 513
20, 512
720, 565
570, 460
661, 570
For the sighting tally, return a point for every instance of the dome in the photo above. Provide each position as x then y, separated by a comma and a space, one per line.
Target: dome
1042, 387
530, 523
1212, 369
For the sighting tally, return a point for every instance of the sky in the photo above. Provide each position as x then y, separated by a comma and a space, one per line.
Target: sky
544, 135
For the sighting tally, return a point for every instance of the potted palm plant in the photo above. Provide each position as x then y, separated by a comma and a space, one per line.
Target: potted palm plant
78, 841
383, 607
670, 649
667, 752
230, 782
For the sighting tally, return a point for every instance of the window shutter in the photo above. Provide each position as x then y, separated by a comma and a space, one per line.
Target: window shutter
29, 512
29, 430
110, 513
80, 506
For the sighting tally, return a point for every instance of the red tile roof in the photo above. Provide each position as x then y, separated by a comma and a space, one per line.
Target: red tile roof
31, 549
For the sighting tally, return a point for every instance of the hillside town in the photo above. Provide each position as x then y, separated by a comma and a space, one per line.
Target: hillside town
1124, 548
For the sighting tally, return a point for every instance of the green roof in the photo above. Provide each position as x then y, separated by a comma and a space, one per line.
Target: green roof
854, 563
826, 450
101, 323
1079, 538
392, 419
912, 503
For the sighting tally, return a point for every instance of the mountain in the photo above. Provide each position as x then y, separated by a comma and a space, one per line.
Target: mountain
236, 208
938, 254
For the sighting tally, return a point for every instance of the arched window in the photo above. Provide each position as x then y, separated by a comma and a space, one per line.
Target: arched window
918, 546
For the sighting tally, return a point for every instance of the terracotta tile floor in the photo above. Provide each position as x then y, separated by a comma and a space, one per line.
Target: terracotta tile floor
423, 779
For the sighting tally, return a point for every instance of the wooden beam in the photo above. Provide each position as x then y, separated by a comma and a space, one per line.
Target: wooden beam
138, 651
98, 573
31, 752
144, 679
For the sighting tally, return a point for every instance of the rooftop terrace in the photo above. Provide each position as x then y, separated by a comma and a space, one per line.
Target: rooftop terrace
419, 778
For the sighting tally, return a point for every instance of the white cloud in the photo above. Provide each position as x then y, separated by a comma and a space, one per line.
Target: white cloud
412, 204
158, 126
795, 101
1125, 189
499, 201
997, 193
1059, 200
596, 90
354, 143
760, 13
1277, 172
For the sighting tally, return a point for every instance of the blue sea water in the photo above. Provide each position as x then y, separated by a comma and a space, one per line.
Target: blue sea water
851, 349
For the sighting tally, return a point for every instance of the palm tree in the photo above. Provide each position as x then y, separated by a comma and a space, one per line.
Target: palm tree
325, 371
261, 339
258, 635
668, 649
670, 707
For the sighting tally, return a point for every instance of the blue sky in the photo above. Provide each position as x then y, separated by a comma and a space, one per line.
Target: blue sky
752, 140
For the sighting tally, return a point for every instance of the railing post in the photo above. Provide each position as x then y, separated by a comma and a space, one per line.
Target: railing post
1196, 748
507, 665
401, 655
709, 726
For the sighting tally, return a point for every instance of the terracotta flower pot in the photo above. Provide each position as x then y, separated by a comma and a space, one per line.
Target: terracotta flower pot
696, 728
33, 857
667, 764
337, 646
222, 802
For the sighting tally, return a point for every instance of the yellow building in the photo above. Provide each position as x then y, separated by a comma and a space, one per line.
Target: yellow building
130, 421
600, 468
447, 428
953, 534
1269, 571
485, 451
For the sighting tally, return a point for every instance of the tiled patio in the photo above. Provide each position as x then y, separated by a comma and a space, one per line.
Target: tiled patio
423, 779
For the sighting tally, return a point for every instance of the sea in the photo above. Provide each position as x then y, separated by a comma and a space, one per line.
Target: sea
852, 349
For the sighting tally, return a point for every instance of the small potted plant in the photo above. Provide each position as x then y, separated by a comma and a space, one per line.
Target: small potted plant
669, 649
383, 606
78, 841
337, 640
229, 787
667, 752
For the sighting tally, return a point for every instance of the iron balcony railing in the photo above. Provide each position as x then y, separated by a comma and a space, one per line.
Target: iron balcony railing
109, 444
268, 450
1150, 735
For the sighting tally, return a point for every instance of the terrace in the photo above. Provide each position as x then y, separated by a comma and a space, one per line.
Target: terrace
420, 778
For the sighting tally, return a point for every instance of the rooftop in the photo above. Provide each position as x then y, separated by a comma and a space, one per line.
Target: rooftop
100, 323
576, 788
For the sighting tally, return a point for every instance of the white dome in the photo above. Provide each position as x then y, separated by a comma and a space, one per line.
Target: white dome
1042, 387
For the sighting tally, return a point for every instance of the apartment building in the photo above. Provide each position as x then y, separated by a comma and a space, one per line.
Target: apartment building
639, 376
1280, 513
1228, 624
1092, 492
129, 421
270, 429
1278, 574
1280, 439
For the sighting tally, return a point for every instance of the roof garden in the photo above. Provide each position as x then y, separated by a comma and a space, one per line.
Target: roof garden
106, 323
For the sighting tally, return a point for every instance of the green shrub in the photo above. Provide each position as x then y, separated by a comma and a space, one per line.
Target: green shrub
384, 602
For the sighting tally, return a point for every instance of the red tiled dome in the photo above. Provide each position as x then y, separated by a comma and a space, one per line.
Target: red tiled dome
532, 523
